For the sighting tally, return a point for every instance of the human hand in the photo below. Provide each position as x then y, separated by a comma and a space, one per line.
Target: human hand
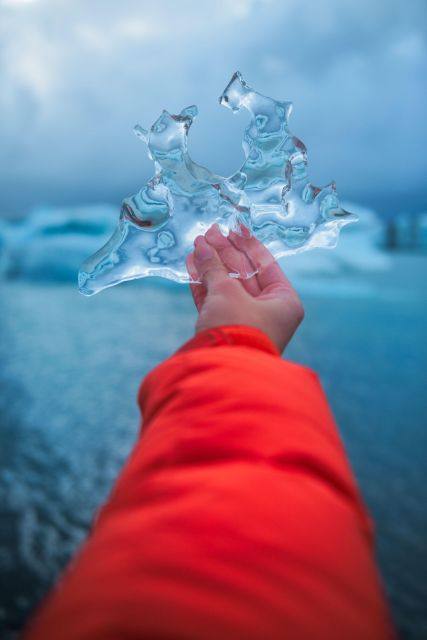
266, 300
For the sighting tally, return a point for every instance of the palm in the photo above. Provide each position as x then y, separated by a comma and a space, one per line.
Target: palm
244, 255
263, 297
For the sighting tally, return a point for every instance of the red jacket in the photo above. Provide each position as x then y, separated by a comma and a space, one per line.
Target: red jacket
236, 516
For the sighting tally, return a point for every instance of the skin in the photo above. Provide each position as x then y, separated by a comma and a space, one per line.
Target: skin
265, 300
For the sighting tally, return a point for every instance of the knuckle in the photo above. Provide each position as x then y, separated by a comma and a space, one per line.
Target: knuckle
213, 269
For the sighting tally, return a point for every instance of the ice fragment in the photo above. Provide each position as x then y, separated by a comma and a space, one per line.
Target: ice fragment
270, 195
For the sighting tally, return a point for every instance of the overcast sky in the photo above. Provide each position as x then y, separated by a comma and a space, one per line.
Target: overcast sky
77, 75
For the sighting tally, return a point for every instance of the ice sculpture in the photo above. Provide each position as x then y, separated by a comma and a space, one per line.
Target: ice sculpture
288, 214
270, 195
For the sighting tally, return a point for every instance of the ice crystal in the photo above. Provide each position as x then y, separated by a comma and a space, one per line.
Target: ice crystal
270, 195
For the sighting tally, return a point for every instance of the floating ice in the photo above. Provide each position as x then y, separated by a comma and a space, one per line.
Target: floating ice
270, 195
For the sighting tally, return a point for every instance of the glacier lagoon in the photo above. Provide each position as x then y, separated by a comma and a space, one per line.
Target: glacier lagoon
62, 444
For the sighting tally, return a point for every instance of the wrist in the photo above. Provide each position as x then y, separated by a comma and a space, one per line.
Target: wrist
232, 334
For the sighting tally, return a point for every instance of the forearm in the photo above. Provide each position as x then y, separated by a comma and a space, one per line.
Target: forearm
236, 513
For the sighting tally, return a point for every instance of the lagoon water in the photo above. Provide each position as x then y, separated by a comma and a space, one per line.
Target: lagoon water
70, 368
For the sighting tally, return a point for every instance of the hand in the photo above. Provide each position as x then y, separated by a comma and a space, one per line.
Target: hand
266, 300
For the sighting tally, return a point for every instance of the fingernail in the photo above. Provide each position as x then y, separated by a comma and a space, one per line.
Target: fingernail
203, 251
243, 231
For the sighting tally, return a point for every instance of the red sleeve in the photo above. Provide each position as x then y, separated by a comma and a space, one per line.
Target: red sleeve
236, 516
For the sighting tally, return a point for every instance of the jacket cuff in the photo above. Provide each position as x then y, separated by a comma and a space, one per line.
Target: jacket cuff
239, 335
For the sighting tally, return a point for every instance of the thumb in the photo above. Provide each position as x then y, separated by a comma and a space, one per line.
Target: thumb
209, 265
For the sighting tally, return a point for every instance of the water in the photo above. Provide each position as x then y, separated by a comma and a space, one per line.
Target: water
69, 416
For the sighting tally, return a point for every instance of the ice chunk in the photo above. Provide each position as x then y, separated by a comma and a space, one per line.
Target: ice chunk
270, 195
288, 214
359, 252
158, 225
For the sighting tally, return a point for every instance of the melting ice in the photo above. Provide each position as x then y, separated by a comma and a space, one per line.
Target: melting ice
270, 195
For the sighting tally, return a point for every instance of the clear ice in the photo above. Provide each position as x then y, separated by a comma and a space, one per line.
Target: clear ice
270, 196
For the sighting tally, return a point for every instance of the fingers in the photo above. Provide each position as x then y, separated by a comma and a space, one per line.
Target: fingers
269, 273
215, 256
191, 267
198, 291
212, 271
234, 260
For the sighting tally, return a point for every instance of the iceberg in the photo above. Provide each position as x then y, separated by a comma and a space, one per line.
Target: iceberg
50, 242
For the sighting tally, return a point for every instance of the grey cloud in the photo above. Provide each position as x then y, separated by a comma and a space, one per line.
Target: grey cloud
76, 76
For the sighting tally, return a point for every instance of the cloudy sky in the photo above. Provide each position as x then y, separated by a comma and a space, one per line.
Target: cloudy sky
76, 76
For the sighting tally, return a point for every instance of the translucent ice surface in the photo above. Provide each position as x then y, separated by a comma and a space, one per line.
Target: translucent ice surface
288, 214
270, 195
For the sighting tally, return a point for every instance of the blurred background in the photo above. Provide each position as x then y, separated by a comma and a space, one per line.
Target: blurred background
75, 78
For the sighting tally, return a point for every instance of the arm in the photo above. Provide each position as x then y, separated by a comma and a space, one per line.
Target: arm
237, 515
